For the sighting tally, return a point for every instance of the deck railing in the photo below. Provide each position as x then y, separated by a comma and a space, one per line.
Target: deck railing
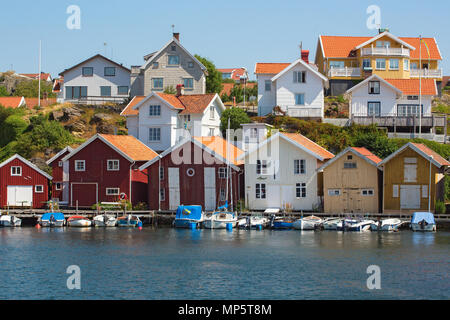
385, 51
392, 120
344, 72
426, 73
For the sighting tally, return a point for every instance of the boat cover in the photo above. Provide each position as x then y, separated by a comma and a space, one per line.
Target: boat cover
189, 212
57, 215
419, 216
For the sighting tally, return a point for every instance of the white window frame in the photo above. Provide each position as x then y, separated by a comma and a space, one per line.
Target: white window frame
262, 167
367, 67
334, 192
223, 173
76, 165
173, 64
395, 191
298, 163
390, 64
373, 87
299, 76
58, 186
212, 112
113, 161
381, 61
113, 194
60, 163
368, 192
253, 133
300, 188
212, 132
14, 171
260, 187
405, 64
154, 110
150, 136
36, 188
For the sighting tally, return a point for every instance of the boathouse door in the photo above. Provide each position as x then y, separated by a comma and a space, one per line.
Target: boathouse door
174, 188
210, 188
20, 196
409, 197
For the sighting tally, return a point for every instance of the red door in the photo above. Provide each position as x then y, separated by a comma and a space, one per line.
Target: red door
85, 194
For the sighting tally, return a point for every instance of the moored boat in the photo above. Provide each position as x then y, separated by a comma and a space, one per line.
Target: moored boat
307, 223
354, 225
281, 223
79, 222
188, 217
105, 220
10, 221
253, 222
423, 221
331, 223
386, 225
52, 219
128, 221
221, 220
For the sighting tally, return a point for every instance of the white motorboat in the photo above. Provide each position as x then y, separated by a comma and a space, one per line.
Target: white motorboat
423, 221
220, 220
129, 221
104, 220
331, 223
52, 219
307, 223
79, 222
253, 222
386, 225
354, 225
10, 221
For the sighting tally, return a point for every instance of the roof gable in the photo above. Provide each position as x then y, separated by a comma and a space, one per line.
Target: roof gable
372, 78
97, 56
362, 153
304, 64
28, 163
387, 34
59, 154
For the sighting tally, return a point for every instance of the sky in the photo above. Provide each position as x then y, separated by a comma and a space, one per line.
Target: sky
232, 33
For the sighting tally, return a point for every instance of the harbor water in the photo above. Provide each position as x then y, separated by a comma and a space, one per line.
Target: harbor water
219, 264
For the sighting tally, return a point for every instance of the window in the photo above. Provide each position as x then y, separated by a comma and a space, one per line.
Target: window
158, 83
260, 191
383, 44
334, 192
155, 65
349, 165
395, 191
188, 83
110, 71
112, 191
16, 171
410, 170
80, 165
261, 166
299, 166
405, 110
414, 65
367, 192
211, 132
122, 90
60, 163
223, 173
190, 172
393, 64
58, 186
162, 194
174, 60
300, 190
268, 85
300, 99
254, 133
374, 109
212, 113
112, 165
367, 64
374, 87
154, 111
226, 75
381, 64
76, 92
161, 173
39, 189
154, 134
424, 191
299, 76
105, 91
412, 97
406, 64
87, 71
223, 195
173, 48
350, 157
337, 64
190, 64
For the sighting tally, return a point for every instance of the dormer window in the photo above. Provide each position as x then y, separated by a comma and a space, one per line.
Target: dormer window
374, 87
173, 60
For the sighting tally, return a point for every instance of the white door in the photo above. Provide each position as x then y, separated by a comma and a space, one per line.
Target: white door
20, 195
210, 189
174, 188
287, 196
410, 197
273, 196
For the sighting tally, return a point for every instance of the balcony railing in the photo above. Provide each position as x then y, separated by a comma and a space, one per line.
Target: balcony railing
426, 73
344, 72
393, 120
304, 112
385, 51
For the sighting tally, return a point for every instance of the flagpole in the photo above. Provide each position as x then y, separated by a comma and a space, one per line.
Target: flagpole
39, 75
420, 86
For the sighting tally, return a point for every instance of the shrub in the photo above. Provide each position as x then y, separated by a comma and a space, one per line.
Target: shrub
141, 206
440, 207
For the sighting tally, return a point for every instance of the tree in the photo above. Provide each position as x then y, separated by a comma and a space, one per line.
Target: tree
3, 92
237, 117
214, 77
30, 89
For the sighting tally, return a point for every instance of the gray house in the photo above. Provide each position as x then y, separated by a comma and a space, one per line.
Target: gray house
168, 67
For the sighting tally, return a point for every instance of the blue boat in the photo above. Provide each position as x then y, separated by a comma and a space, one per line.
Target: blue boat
423, 221
188, 217
52, 219
281, 223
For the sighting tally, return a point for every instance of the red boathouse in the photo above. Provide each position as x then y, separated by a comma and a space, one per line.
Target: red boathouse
60, 187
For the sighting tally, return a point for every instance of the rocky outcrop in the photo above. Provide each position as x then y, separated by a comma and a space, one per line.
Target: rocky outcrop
66, 114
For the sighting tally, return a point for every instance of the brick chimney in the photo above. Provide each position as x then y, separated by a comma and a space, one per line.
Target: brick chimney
305, 56
180, 89
176, 35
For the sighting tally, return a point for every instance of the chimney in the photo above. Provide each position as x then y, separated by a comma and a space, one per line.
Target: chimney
180, 89
176, 35
305, 56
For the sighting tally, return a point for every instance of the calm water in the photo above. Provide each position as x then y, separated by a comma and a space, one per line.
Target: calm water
217, 264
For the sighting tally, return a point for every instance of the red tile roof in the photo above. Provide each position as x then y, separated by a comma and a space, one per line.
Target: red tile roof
412, 86
10, 102
33, 102
236, 73
367, 154
44, 76
342, 46
131, 146
310, 145
430, 152
270, 68
221, 147
228, 86
129, 111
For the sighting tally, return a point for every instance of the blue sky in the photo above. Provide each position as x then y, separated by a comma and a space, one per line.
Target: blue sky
231, 33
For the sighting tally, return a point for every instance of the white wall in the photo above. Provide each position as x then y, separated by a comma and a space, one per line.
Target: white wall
133, 126
360, 98
208, 122
266, 99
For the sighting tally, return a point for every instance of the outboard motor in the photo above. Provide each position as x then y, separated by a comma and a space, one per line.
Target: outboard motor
248, 222
272, 219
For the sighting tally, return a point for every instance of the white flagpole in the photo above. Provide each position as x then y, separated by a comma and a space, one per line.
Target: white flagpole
420, 86
39, 75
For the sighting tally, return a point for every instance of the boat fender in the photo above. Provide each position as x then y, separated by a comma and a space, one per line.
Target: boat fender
229, 226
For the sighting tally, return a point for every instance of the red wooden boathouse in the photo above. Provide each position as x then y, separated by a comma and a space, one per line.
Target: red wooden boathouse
60, 187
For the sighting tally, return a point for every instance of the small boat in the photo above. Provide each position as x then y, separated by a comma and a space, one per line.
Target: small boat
307, 223
386, 225
354, 225
220, 220
79, 222
52, 219
253, 222
281, 223
104, 220
330, 223
188, 217
10, 221
128, 221
423, 221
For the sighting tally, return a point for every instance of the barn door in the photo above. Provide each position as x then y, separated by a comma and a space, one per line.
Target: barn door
20, 196
174, 188
410, 197
210, 188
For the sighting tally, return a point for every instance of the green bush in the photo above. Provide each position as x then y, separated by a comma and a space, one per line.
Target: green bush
141, 206
440, 207
11, 128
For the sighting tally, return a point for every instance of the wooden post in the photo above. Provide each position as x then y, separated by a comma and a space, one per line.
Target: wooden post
445, 130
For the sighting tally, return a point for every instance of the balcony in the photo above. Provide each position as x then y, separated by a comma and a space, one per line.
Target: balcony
392, 120
426, 73
345, 72
399, 52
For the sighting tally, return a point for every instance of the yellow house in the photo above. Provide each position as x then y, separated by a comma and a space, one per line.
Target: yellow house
347, 60
352, 182
408, 176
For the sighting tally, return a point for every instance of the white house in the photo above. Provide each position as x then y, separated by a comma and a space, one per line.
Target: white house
96, 80
161, 120
281, 172
253, 134
296, 88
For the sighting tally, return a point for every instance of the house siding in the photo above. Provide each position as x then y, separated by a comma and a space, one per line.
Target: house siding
57, 174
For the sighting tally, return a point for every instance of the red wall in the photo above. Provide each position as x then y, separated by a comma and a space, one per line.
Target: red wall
57, 174
29, 177
192, 190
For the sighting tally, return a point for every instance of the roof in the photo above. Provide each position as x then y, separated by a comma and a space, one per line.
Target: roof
303, 63
59, 154
32, 102
342, 46
44, 76
270, 68
228, 86
236, 73
221, 146
128, 110
12, 102
367, 154
128, 146
363, 153
412, 86
28, 163
92, 58
309, 144
422, 150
